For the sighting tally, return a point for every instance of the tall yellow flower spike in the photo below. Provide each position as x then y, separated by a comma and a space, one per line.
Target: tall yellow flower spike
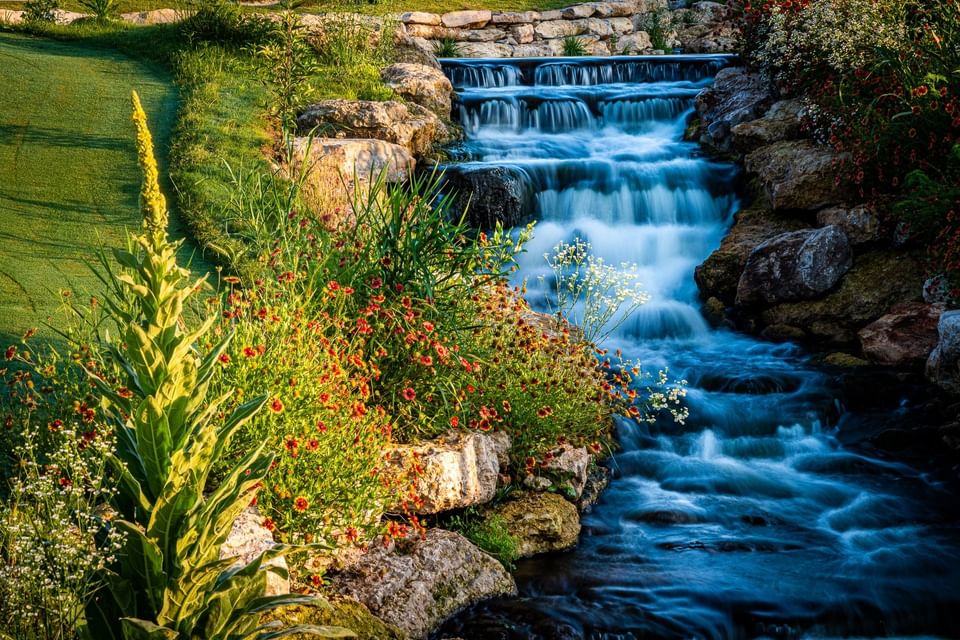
152, 203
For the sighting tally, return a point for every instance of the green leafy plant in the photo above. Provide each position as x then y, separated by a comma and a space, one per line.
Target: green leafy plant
356, 50
573, 46
287, 65
40, 11
656, 24
223, 22
446, 48
490, 534
102, 10
168, 580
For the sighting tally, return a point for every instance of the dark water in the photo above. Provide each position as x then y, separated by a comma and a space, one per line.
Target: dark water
769, 513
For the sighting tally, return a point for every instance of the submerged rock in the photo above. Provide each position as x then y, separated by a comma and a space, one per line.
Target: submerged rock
904, 337
943, 366
797, 174
408, 125
795, 266
418, 583
488, 195
456, 470
540, 522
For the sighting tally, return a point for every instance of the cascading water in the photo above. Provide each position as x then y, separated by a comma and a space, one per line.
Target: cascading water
752, 519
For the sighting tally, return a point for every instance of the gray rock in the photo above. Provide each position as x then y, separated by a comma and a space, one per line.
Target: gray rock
860, 223
488, 194
943, 366
797, 265
735, 96
781, 122
568, 466
797, 174
936, 289
420, 17
416, 584
471, 19
578, 11
515, 17
414, 50
560, 29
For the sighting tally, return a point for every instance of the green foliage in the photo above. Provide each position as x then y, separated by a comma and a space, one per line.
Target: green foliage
446, 48
656, 24
101, 9
490, 534
288, 65
39, 11
168, 580
354, 50
573, 46
223, 22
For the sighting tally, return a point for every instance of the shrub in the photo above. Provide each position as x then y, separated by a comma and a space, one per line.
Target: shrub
288, 64
657, 24
102, 10
223, 22
36, 11
490, 534
355, 49
446, 48
168, 580
573, 46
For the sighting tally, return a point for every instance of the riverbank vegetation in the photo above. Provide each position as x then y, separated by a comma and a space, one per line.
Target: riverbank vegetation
324, 341
882, 84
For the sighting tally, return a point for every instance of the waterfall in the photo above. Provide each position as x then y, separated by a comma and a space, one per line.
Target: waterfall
752, 519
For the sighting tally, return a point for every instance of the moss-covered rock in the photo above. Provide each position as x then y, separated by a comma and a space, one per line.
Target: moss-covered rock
877, 281
540, 522
342, 612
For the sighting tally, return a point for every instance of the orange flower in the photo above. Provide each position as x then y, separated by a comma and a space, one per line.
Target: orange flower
352, 534
224, 358
300, 504
269, 524
426, 361
250, 352
409, 394
316, 580
276, 406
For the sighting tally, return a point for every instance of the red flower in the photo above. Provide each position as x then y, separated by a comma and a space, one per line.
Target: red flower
300, 504
250, 352
376, 283
426, 361
10, 352
316, 580
291, 444
224, 358
313, 444
123, 392
409, 394
276, 406
428, 326
333, 285
595, 447
269, 524
454, 421
352, 534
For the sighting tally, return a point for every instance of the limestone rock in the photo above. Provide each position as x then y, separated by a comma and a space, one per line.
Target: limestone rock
620, 26
634, 43
904, 337
796, 265
68, 17
420, 17
342, 612
472, 19
540, 522
553, 14
421, 84
781, 122
614, 9
485, 50
578, 11
515, 17
416, 584
735, 96
877, 281
11, 17
408, 125
479, 35
522, 33
797, 174
458, 469
943, 366
568, 466
860, 223
414, 50
157, 16
552, 29
488, 194
248, 539
719, 275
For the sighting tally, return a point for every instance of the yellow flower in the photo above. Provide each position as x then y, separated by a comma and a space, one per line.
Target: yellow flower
152, 202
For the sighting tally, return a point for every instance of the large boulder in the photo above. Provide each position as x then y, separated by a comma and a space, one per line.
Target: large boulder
735, 96
418, 583
781, 122
157, 16
414, 50
943, 366
248, 539
904, 337
420, 17
877, 281
720, 273
488, 194
485, 50
553, 29
539, 522
634, 43
798, 265
456, 470
861, 223
424, 85
515, 17
408, 125
341, 612
797, 174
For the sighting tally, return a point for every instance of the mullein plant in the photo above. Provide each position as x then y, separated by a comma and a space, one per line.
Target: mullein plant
169, 581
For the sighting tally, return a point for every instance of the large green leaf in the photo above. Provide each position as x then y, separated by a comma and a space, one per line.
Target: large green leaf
154, 443
136, 629
141, 563
167, 519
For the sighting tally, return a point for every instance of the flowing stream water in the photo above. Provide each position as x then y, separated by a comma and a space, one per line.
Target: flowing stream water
761, 516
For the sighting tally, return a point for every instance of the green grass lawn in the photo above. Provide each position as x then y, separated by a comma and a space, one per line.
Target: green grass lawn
68, 172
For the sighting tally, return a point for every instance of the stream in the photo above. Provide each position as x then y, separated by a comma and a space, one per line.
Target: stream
765, 515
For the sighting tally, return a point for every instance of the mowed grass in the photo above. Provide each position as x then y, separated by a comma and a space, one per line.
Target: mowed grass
68, 174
